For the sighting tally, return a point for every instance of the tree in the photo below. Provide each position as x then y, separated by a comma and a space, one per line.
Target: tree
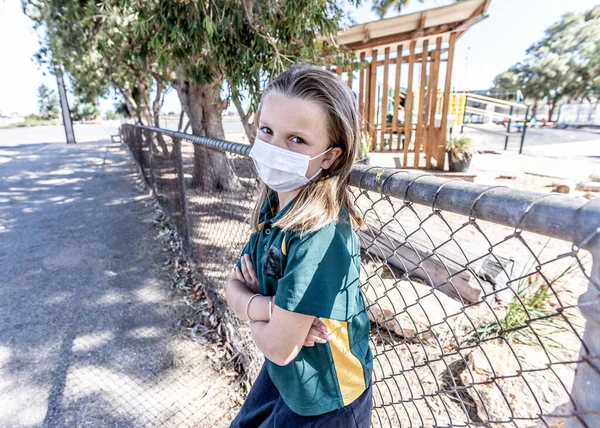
565, 63
122, 110
84, 110
382, 7
210, 52
48, 106
94, 44
573, 41
225, 48
507, 82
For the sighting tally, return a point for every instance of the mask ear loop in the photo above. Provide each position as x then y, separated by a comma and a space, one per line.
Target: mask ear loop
321, 153
320, 169
318, 172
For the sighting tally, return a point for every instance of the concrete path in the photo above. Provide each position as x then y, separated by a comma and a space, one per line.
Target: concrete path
86, 321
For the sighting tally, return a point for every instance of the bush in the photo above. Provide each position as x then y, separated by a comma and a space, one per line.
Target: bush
30, 120
365, 145
459, 145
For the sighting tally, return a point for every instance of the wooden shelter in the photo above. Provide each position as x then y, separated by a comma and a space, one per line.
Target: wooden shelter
404, 89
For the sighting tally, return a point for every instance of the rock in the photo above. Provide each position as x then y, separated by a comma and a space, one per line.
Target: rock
493, 270
591, 196
555, 421
418, 259
564, 186
514, 383
408, 308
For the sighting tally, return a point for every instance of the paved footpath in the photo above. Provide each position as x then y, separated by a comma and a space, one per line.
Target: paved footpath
86, 321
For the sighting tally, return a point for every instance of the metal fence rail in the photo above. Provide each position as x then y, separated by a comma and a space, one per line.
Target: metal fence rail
483, 300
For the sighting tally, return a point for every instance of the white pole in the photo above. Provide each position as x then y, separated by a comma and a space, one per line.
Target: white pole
64, 106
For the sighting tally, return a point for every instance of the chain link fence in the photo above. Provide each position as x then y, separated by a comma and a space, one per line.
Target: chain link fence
483, 300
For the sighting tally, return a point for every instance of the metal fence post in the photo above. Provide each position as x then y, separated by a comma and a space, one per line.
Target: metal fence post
524, 130
508, 128
585, 394
462, 127
185, 233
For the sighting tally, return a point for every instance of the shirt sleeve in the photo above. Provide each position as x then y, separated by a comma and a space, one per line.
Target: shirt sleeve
320, 277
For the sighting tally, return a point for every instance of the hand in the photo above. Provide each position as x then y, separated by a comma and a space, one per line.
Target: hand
317, 333
247, 275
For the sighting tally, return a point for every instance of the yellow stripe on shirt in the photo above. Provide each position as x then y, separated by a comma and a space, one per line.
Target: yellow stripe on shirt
348, 368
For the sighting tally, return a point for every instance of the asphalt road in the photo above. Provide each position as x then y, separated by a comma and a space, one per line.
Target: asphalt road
86, 319
552, 143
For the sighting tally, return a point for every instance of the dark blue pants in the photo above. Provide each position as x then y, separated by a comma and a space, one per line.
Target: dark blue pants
265, 408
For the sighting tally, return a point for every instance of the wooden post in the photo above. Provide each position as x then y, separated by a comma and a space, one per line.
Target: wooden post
372, 96
350, 75
367, 99
408, 102
362, 91
397, 97
422, 104
432, 88
384, 98
441, 144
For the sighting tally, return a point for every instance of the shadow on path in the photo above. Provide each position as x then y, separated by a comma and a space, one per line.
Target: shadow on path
87, 333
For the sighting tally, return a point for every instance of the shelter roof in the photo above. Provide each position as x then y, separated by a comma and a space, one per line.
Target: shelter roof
427, 24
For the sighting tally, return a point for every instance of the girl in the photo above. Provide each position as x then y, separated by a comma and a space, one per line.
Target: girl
297, 281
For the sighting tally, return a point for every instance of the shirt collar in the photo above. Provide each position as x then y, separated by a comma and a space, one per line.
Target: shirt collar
270, 207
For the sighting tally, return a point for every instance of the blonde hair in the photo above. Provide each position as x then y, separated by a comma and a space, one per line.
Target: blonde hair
320, 201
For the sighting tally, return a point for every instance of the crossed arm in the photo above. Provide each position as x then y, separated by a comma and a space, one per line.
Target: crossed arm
280, 339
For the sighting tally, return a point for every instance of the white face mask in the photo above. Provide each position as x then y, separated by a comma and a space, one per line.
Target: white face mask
280, 169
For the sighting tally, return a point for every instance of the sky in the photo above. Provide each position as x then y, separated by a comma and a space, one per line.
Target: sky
485, 50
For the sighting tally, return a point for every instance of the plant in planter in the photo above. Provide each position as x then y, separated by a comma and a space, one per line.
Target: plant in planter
365, 146
460, 153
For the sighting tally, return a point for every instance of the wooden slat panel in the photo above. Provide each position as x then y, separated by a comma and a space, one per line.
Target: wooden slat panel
372, 96
408, 102
405, 59
441, 142
422, 106
397, 94
384, 97
430, 145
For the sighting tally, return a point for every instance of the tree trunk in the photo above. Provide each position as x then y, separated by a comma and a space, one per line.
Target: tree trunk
156, 106
180, 121
551, 112
244, 117
144, 103
204, 107
534, 108
132, 106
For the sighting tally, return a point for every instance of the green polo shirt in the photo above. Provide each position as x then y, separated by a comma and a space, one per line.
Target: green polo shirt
317, 274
